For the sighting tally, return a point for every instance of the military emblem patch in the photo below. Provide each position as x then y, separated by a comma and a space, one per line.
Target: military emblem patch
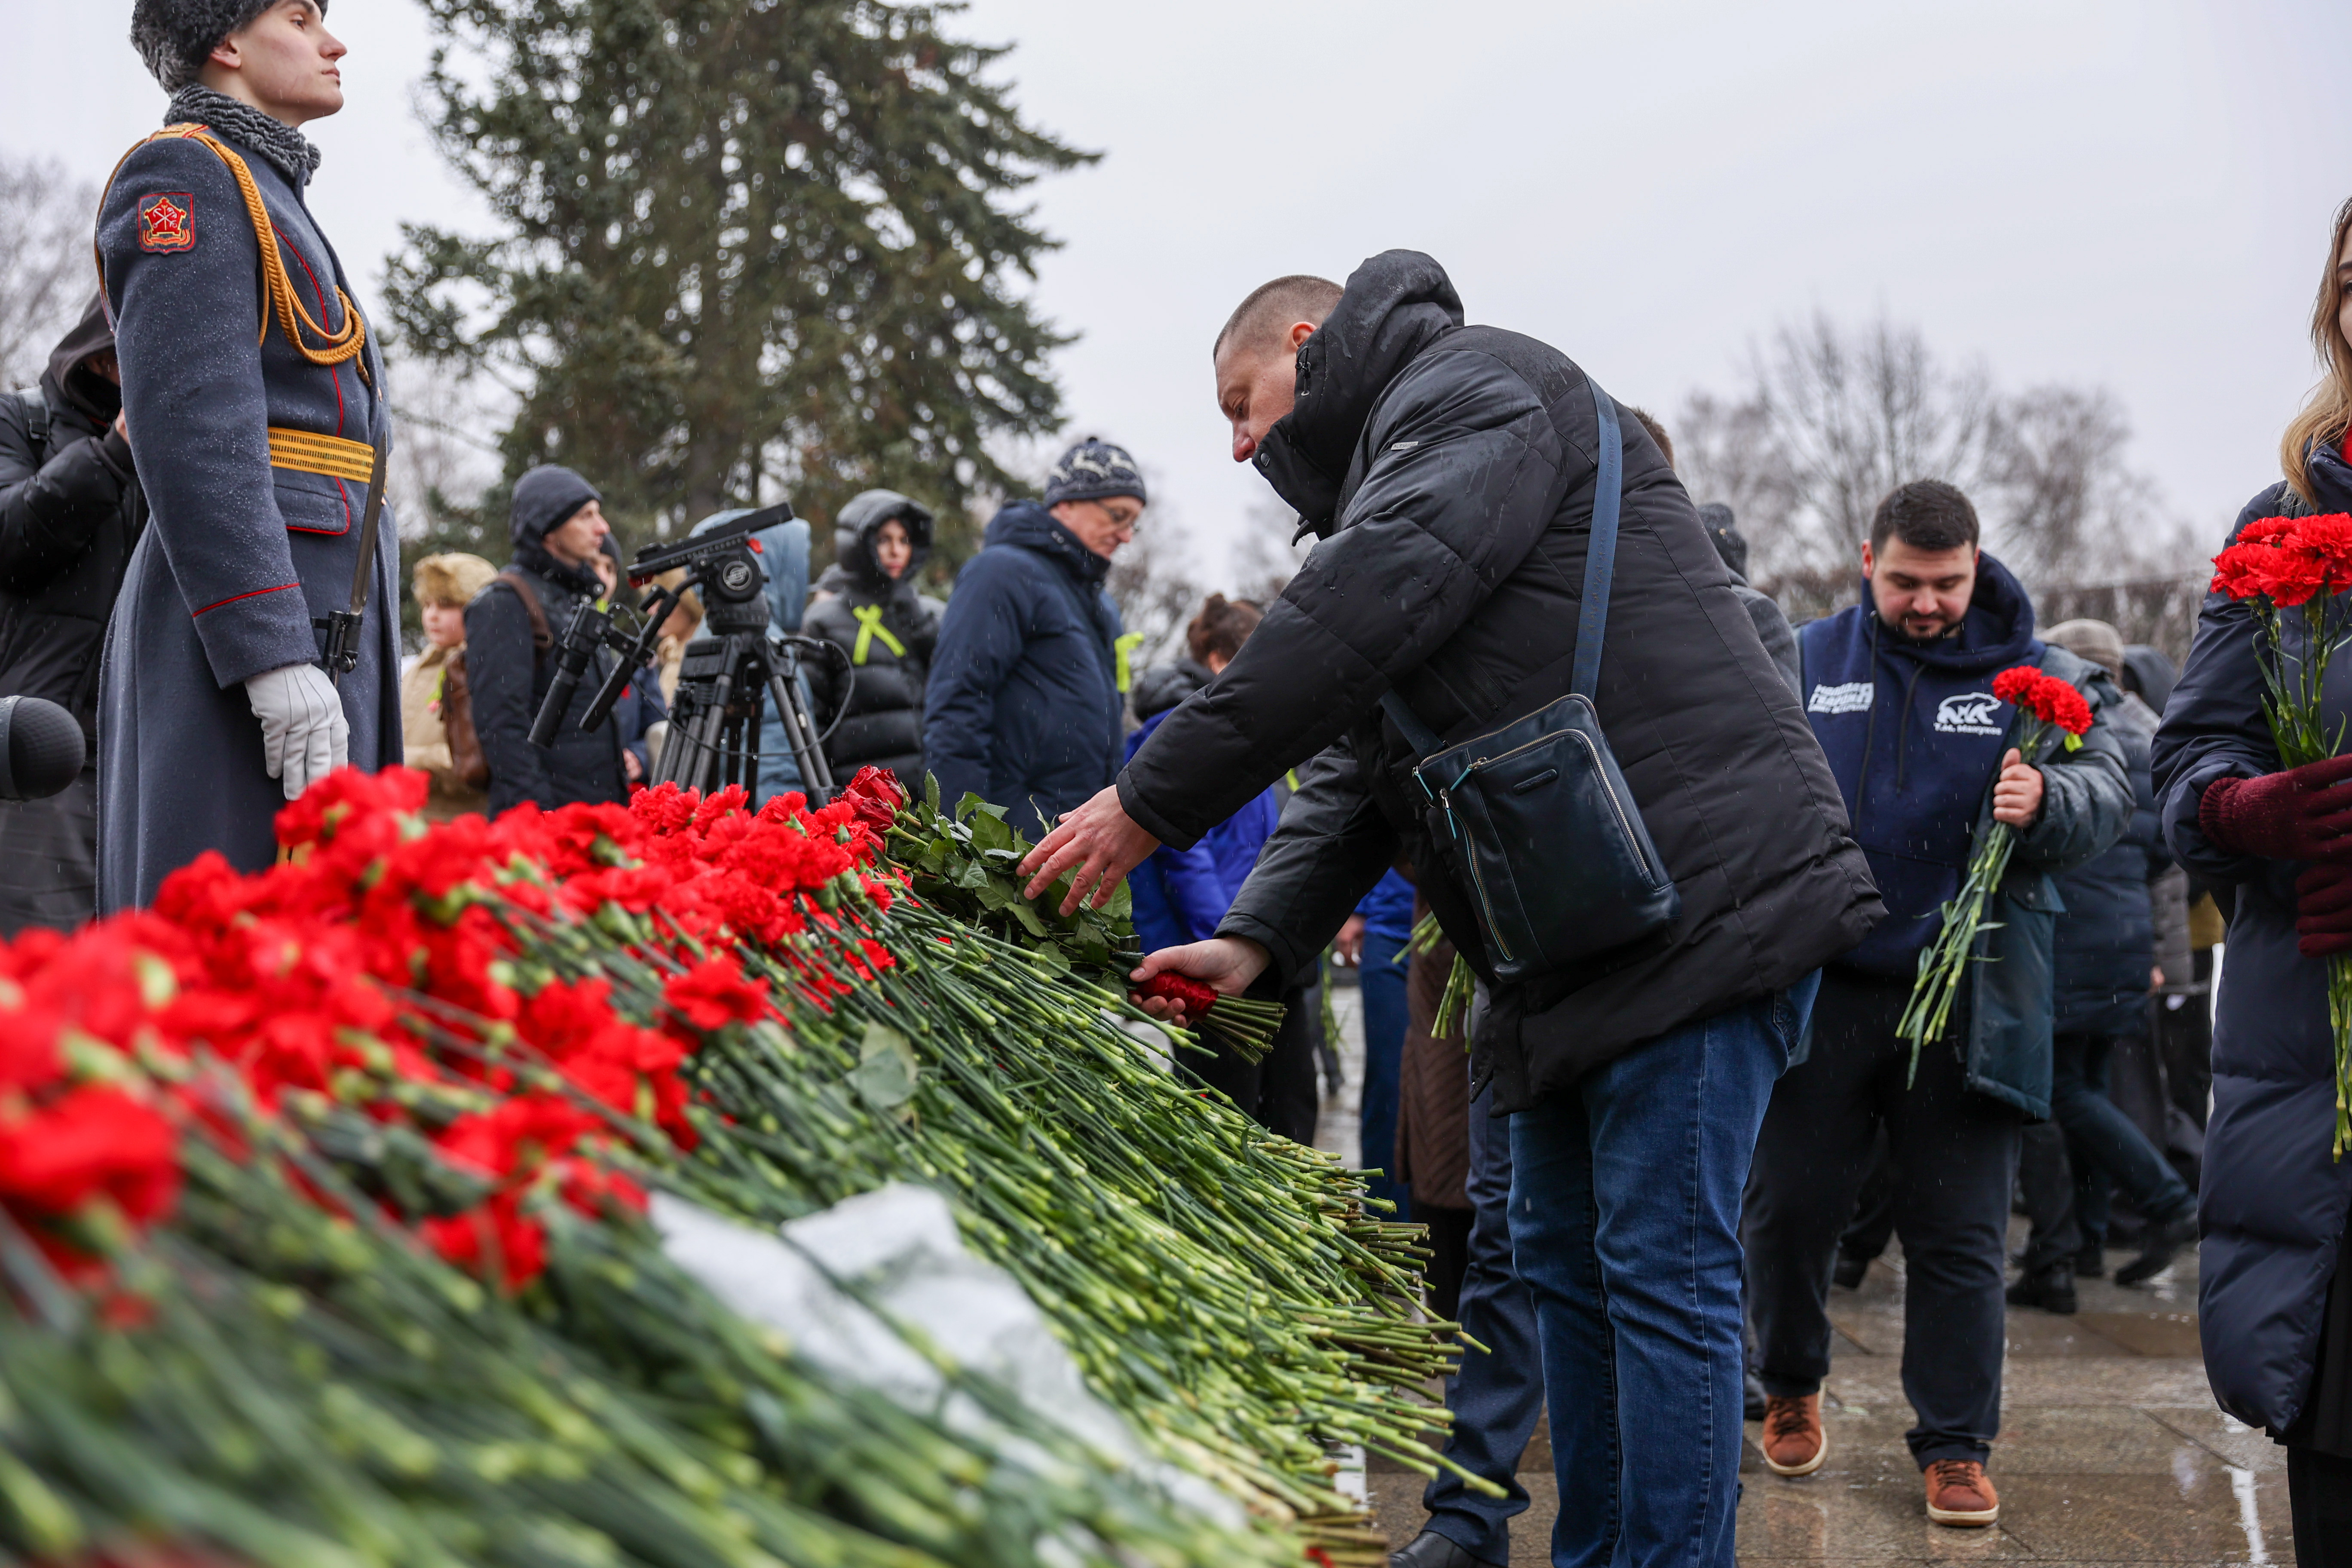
167, 221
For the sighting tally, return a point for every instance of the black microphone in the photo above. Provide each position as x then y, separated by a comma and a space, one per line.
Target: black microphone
41, 748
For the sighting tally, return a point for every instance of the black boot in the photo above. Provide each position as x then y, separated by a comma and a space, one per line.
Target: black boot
1431, 1550
2052, 1288
2160, 1244
2091, 1262
1848, 1271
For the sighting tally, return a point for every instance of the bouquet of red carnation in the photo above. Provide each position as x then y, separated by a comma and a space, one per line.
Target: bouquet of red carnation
2278, 565
2046, 706
1246, 1025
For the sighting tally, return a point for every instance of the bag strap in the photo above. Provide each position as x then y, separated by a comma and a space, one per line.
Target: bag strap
1601, 556
1599, 570
542, 638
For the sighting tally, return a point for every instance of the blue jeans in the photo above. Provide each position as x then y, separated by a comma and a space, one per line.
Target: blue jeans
1494, 1398
1385, 1017
1625, 1226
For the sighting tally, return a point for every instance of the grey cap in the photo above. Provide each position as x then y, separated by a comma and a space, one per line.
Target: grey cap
2095, 640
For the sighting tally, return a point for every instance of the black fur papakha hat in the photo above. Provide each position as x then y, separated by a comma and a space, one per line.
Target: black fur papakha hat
175, 36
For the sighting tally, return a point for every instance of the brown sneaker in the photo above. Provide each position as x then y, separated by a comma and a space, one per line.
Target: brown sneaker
1794, 1443
1960, 1492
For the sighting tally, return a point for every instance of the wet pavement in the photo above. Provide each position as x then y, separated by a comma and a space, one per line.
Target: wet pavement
2111, 1450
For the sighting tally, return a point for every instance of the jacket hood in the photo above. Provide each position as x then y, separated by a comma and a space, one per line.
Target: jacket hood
1025, 523
1164, 686
1997, 632
70, 383
853, 539
1396, 304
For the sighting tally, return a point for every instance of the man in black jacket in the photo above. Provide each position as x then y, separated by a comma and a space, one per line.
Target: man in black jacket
1450, 472
558, 526
69, 513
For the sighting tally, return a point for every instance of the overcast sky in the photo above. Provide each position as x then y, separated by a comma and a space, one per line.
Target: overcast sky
2132, 193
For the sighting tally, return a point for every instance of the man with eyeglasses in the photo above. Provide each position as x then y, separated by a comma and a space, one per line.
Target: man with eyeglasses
1022, 707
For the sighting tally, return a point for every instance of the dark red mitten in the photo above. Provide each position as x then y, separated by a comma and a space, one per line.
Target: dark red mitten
2302, 813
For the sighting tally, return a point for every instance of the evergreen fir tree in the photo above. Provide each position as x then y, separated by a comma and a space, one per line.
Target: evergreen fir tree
744, 242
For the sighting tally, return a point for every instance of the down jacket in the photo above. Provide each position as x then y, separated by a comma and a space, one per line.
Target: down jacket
1449, 471
888, 631
1023, 709
2272, 1210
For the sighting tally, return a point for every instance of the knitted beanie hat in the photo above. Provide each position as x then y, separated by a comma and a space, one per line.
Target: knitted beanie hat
175, 37
1093, 469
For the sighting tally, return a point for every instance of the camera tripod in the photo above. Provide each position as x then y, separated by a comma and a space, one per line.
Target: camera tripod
728, 675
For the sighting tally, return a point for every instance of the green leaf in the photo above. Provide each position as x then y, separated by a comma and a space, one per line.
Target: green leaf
1027, 915
996, 893
988, 831
1122, 903
931, 790
886, 1073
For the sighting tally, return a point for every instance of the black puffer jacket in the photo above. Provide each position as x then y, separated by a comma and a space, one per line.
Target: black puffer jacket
890, 632
69, 513
508, 677
1450, 470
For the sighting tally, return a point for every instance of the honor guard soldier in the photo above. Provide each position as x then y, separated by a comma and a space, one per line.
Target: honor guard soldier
254, 648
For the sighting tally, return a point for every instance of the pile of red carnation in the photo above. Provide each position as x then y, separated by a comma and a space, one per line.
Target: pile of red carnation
396, 965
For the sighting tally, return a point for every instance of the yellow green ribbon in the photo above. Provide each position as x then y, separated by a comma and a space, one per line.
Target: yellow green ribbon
1126, 647
869, 626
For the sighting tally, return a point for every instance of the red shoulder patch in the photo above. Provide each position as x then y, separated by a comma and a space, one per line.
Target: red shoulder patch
167, 221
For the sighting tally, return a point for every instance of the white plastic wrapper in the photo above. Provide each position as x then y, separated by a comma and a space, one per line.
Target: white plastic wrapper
897, 1247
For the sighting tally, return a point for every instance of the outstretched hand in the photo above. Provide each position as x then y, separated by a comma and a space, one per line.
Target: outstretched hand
1098, 844
1226, 964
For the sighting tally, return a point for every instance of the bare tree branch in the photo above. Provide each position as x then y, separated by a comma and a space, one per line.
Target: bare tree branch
46, 273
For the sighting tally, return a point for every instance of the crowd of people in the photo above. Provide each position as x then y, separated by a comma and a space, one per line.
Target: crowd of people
1672, 1138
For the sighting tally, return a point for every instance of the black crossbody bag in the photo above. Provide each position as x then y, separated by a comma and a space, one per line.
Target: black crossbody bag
1558, 862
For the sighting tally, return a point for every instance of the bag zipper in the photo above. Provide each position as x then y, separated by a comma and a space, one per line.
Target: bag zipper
1485, 904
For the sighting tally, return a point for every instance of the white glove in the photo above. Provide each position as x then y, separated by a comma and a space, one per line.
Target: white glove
304, 735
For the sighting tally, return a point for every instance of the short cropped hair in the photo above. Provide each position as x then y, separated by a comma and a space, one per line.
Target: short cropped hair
1648, 422
451, 580
1926, 514
1301, 297
1221, 628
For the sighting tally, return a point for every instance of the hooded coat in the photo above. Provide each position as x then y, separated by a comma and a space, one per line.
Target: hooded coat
70, 513
2272, 1210
509, 675
1023, 709
888, 632
1450, 473
249, 543
1915, 736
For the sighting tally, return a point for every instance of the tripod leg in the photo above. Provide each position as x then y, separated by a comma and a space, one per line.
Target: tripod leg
800, 730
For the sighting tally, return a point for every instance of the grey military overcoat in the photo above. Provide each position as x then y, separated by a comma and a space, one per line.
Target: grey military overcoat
254, 457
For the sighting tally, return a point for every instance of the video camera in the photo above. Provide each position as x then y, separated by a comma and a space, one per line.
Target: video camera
726, 670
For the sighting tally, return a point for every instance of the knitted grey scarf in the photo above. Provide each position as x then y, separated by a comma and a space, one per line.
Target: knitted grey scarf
288, 149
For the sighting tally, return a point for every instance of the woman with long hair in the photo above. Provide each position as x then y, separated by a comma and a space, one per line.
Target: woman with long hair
2275, 1296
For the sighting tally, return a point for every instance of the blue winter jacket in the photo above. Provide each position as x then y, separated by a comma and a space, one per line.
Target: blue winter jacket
2106, 943
2273, 1207
1914, 737
1022, 707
